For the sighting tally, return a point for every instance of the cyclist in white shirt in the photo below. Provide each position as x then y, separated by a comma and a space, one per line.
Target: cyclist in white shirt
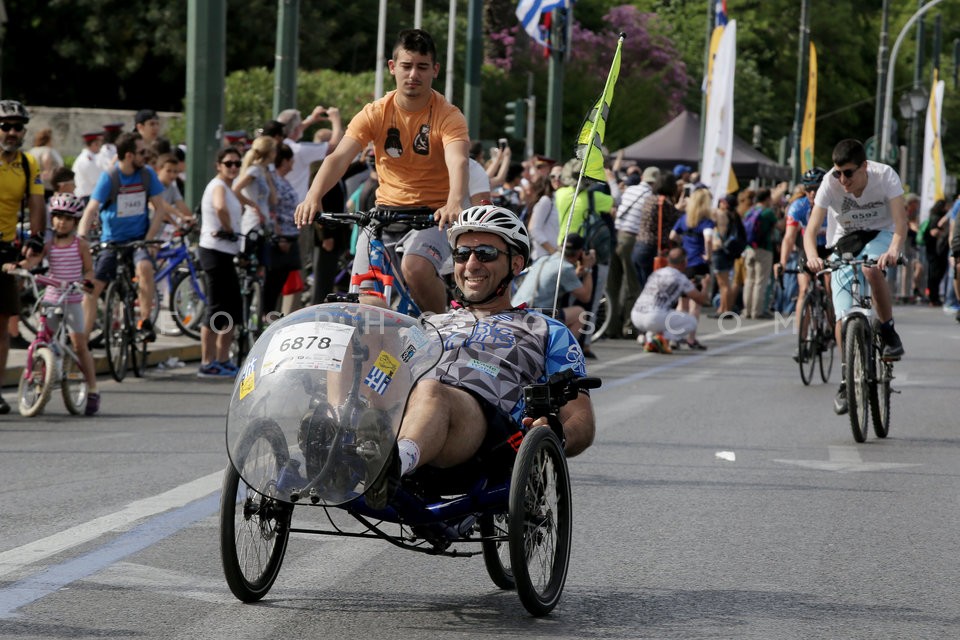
864, 207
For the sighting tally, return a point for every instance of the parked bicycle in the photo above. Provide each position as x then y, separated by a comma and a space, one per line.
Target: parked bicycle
185, 287
250, 274
51, 361
867, 375
125, 345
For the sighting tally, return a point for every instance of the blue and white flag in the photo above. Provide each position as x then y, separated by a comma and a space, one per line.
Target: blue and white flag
531, 12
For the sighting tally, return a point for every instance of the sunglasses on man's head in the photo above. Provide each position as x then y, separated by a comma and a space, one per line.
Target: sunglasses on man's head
232, 164
7, 126
484, 253
846, 173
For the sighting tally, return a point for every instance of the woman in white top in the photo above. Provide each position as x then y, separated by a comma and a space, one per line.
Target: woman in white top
542, 219
221, 213
255, 188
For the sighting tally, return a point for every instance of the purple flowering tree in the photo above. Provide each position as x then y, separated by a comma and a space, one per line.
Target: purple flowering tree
653, 77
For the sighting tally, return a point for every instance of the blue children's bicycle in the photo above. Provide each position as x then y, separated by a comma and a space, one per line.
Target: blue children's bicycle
185, 286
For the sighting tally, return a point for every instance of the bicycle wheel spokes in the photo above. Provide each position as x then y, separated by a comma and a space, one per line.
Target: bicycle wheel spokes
880, 391
116, 332
827, 346
857, 377
807, 344
73, 386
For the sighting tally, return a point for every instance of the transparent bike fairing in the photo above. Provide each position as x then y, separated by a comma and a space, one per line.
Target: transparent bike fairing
334, 380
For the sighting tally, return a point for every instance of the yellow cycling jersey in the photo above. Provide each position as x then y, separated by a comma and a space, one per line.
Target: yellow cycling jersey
12, 184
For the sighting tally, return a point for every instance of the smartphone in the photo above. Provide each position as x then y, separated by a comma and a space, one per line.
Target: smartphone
502, 143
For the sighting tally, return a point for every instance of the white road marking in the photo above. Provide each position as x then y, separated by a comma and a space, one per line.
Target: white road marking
14, 559
846, 459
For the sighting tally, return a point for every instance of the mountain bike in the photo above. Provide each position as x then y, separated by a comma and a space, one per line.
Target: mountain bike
867, 374
123, 342
51, 361
313, 420
815, 330
187, 291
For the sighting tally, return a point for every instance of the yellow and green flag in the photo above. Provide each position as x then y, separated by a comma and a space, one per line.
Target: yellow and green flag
590, 141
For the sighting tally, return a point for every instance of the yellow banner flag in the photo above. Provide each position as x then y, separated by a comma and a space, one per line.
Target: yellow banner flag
590, 141
808, 133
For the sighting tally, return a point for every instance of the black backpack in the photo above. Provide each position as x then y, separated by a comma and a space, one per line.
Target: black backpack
598, 232
736, 241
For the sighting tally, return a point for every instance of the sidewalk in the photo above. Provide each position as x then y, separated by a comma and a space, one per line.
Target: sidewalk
167, 346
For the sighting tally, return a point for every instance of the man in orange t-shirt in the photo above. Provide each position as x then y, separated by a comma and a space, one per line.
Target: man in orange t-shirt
421, 146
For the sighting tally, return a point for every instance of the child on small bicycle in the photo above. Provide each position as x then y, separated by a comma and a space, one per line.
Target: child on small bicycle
70, 261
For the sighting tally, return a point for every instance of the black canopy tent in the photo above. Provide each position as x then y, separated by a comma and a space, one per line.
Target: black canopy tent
678, 142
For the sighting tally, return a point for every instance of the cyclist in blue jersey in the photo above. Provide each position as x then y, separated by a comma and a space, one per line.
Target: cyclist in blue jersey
798, 214
472, 402
124, 217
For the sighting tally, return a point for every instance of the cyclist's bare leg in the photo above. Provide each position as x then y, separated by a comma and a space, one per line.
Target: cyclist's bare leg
79, 341
145, 288
426, 287
90, 305
446, 423
880, 291
223, 342
803, 281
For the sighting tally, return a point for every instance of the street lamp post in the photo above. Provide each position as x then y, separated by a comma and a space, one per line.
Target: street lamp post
912, 104
888, 97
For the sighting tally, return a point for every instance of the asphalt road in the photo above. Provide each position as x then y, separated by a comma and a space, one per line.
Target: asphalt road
722, 499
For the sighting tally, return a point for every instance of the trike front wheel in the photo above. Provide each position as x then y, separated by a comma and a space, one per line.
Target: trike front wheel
254, 525
540, 521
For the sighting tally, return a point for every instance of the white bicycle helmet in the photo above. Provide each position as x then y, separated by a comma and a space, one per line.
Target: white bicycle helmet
66, 203
13, 110
493, 219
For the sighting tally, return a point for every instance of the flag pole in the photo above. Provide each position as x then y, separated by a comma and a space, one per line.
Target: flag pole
585, 146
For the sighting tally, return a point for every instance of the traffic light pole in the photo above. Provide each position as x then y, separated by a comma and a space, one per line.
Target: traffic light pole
206, 68
554, 129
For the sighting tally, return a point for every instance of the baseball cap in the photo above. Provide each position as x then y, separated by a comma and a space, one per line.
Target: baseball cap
574, 243
681, 169
651, 174
143, 115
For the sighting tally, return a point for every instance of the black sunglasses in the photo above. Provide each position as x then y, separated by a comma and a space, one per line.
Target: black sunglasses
484, 253
7, 126
233, 164
846, 173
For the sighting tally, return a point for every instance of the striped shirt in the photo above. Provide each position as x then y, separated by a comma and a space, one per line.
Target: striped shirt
631, 206
66, 265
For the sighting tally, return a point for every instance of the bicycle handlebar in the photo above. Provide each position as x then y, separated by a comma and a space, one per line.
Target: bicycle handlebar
130, 244
419, 218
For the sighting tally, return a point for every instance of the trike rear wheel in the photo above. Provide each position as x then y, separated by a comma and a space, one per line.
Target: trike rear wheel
540, 521
254, 525
495, 529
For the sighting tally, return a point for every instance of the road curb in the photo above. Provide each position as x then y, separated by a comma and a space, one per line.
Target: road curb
184, 352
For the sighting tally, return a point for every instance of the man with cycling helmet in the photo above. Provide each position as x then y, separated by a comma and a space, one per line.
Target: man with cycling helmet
421, 145
471, 404
862, 202
21, 192
798, 213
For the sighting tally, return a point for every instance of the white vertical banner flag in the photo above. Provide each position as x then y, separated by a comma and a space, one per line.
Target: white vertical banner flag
717, 154
934, 167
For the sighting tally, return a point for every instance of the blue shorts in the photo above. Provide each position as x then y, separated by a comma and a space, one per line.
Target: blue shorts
106, 268
843, 277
